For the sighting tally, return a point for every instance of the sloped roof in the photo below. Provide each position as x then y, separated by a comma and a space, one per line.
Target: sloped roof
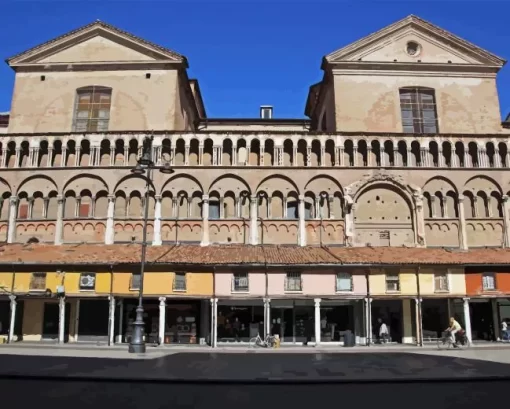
90, 27
225, 255
413, 20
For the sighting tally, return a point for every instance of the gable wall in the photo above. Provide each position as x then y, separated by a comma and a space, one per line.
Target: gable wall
137, 103
369, 102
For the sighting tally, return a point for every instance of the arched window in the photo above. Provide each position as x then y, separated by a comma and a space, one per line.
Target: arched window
418, 106
92, 109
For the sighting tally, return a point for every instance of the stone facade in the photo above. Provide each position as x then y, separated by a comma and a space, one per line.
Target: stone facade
404, 147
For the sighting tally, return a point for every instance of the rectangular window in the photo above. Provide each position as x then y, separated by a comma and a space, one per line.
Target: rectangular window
88, 281
38, 282
489, 281
92, 109
84, 210
135, 281
23, 211
343, 282
392, 282
418, 107
180, 282
240, 282
441, 282
214, 210
293, 282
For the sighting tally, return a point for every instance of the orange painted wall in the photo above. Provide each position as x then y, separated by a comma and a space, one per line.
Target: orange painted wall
474, 284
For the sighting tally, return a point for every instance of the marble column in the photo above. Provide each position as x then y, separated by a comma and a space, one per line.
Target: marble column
110, 228
61, 319
111, 322
156, 241
205, 221
301, 222
162, 320
13, 207
317, 302
467, 319
12, 320
254, 232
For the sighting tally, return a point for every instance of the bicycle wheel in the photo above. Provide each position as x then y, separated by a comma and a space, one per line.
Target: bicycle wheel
254, 342
444, 343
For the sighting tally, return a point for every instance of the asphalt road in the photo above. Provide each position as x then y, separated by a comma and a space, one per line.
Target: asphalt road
320, 367
246, 381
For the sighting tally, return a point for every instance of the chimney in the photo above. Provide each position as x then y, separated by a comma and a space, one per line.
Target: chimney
266, 112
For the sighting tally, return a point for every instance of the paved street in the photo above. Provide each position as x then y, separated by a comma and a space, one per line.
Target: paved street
170, 378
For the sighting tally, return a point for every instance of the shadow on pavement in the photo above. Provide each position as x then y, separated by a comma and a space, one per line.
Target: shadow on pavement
320, 367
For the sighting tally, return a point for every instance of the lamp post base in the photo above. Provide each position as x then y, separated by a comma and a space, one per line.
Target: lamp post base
137, 344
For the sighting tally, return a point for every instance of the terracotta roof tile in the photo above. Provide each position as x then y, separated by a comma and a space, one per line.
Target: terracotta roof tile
83, 254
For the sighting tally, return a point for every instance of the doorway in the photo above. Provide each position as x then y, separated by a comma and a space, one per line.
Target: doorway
93, 320
482, 325
50, 321
392, 314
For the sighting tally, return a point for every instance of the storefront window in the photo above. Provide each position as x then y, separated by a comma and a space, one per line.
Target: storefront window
240, 323
182, 323
335, 320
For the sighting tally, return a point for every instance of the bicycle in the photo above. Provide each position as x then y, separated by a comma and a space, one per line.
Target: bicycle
267, 342
445, 342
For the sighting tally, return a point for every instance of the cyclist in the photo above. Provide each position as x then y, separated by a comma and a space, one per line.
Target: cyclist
453, 329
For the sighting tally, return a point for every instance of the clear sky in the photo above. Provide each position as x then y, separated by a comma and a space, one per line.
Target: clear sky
249, 53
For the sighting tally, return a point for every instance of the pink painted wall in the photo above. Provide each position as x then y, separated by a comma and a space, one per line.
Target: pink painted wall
316, 283
223, 285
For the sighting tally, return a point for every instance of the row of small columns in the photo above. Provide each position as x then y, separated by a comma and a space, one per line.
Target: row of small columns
217, 157
214, 321
254, 239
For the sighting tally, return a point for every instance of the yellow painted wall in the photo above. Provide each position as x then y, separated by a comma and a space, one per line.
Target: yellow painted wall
161, 283
22, 281
72, 283
33, 315
457, 281
33, 312
407, 282
6, 281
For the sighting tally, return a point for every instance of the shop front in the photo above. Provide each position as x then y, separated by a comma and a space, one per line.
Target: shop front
339, 317
293, 321
435, 317
181, 320
93, 320
391, 313
239, 320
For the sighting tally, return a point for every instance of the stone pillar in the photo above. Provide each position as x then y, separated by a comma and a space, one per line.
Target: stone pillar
419, 322
214, 326
12, 320
420, 220
110, 229
267, 317
301, 222
254, 232
317, 302
205, 220
61, 319
463, 243
13, 207
156, 241
506, 224
121, 321
111, 321
162, 320
467, 319
368, 320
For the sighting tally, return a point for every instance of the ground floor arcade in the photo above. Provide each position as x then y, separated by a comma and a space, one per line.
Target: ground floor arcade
213, 321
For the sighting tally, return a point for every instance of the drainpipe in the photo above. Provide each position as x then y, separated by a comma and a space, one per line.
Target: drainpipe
418, 306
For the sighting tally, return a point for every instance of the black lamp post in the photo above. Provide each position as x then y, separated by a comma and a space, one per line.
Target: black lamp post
145, 164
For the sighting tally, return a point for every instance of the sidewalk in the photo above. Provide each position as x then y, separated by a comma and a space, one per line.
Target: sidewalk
170, 349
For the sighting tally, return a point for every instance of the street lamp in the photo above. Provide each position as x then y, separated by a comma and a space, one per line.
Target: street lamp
145, 164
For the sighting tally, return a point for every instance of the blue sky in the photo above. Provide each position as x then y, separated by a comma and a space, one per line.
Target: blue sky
249, 53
